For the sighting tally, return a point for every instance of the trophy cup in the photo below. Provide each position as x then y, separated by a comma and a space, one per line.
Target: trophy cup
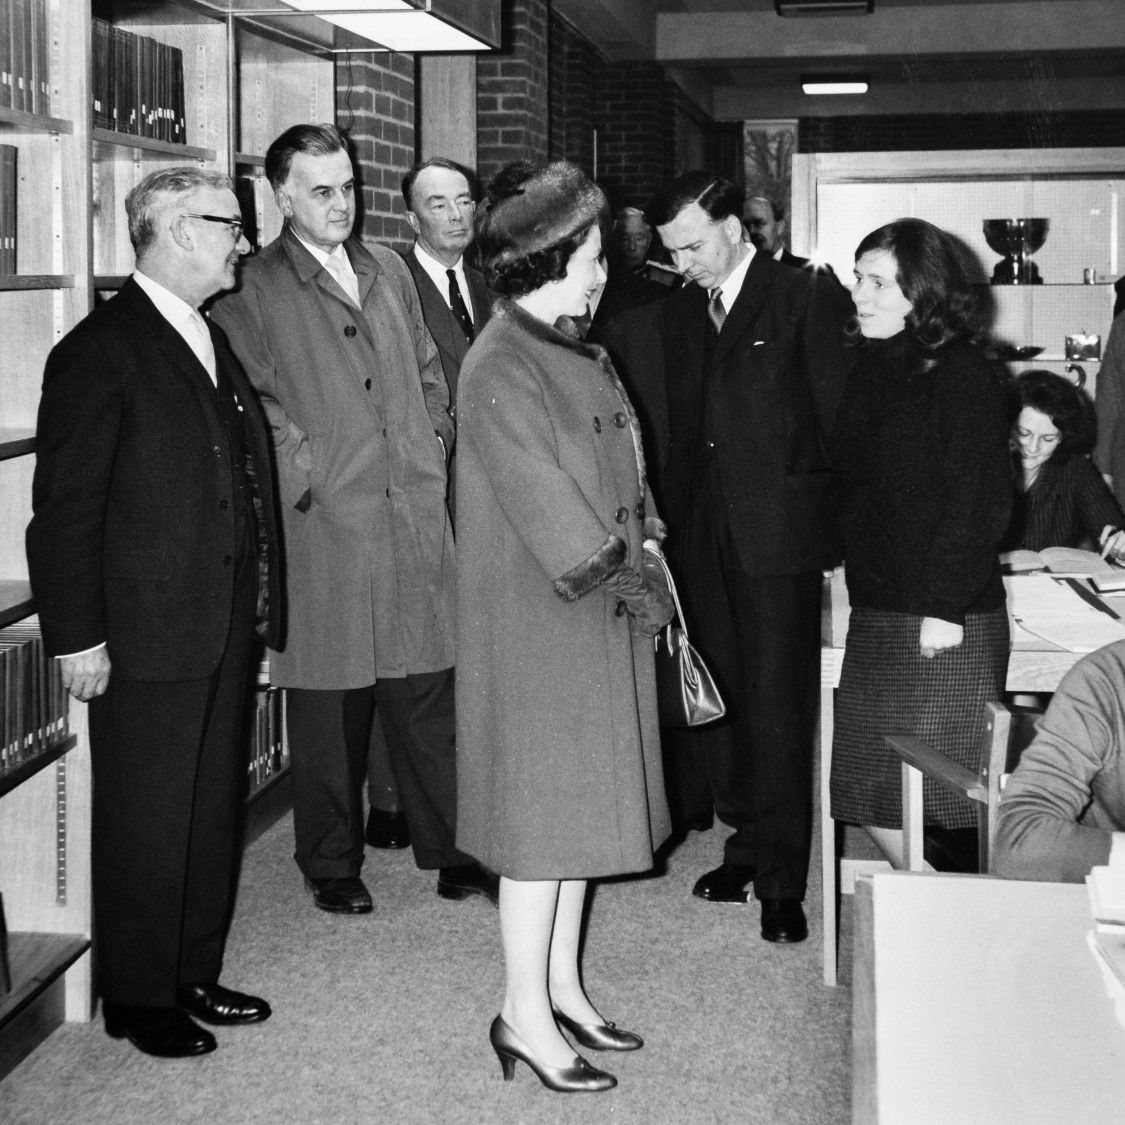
1017, 240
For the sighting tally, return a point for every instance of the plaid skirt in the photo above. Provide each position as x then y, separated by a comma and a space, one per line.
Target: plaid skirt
888, 687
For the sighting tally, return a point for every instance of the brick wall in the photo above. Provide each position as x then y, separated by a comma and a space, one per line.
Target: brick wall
636, 131
512, 85
375, 104
574, 66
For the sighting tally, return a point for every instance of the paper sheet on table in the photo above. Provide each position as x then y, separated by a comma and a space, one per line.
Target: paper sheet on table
1051, 610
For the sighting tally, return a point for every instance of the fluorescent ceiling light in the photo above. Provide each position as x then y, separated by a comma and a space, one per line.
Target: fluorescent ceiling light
834, 85
824, 7
394, 24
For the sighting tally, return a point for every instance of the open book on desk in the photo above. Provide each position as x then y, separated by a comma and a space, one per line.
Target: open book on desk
1062, 611
1106, 577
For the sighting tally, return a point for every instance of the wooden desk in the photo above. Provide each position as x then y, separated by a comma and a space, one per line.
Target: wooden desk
1033, 666
978, 1000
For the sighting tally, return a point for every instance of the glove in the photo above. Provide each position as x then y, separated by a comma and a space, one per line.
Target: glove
645, 596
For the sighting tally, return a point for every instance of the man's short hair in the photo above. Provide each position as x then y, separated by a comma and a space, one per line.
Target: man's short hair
777, 209
438, 162
716, 195
315, 140
630, 213
159, 191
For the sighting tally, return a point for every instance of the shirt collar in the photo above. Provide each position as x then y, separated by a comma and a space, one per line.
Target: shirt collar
733, 284
436, 272
174, 309
339, 253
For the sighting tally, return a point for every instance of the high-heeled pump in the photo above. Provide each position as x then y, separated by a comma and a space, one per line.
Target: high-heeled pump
599, 1036
579, 1077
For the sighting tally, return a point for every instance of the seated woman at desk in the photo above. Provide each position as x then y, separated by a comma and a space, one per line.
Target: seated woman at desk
920, 449
1061, 498
1063, 809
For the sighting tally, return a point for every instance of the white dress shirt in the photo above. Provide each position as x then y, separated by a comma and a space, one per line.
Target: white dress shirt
437, 274
184, 319
730, 289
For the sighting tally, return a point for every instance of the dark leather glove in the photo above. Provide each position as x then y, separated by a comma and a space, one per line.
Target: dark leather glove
645, 596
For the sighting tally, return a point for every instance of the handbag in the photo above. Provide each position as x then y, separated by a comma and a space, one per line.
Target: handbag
686, 694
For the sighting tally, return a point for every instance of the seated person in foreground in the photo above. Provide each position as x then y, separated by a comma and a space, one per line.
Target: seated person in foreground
1063, 809
1061, 499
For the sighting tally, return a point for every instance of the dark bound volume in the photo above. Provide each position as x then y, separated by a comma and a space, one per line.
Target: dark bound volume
9, 156
5, 965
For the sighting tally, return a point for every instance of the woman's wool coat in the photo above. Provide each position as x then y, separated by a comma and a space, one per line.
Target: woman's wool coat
558, 748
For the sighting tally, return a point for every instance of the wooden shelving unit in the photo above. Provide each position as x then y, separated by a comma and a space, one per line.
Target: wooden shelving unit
245, 81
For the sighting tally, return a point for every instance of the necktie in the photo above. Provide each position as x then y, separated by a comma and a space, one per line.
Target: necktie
715, 310
457, 305
345, 278
202, 344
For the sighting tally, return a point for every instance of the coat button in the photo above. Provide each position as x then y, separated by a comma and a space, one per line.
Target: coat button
640, 510
367, 384
622, 515
224, 504
349, 331
620, 421
619, 609
597, 424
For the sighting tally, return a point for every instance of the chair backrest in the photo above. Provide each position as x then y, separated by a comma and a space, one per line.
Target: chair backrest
1005, 734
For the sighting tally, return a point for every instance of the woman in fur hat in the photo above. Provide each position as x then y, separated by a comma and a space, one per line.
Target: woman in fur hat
558, 751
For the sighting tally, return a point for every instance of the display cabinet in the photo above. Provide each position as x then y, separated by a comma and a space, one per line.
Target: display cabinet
840, 197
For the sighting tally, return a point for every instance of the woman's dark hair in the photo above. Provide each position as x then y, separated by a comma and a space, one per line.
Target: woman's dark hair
1070, 409
932, 277
516, 277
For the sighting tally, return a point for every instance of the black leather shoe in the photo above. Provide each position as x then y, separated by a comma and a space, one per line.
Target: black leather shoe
166, 1033
727, 883
783, 920
212, 1003
386, 829
468, 879
346, 895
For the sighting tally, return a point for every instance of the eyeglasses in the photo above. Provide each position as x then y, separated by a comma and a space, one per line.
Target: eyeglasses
235, 225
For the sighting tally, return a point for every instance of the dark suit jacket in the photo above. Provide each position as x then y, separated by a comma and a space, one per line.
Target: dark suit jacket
765, 393
133, 531
443, 326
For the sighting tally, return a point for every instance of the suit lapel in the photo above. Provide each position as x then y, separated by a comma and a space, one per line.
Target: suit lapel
751, 297
434, 309
481, 298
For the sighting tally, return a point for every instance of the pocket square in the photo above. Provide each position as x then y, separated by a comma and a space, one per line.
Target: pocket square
758, 343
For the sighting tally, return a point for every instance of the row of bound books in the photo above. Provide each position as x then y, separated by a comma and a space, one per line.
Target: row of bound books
24, 37
268, 751
138, 85
8, 179
33, 701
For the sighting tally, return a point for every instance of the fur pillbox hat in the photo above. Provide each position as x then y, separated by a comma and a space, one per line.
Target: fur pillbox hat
551, 205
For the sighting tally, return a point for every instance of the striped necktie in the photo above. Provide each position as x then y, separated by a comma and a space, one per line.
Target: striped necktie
715, 311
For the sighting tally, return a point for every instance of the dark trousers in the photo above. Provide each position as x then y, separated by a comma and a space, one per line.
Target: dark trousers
760, 636
329, 738
168, 777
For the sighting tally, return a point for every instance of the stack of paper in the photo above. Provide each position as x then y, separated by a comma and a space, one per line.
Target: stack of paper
1059, 611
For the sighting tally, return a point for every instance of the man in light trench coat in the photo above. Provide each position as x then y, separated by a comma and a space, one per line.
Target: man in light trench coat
331, 335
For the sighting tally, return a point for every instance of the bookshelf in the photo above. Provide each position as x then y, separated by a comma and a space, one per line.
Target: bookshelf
244, 81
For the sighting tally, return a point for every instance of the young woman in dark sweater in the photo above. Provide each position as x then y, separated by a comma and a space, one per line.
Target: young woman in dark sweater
1061, 498
920, 449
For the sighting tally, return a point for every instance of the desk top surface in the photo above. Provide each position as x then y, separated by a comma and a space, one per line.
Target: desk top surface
987, 1004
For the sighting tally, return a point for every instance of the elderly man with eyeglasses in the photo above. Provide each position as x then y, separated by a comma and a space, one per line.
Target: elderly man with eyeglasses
152, 552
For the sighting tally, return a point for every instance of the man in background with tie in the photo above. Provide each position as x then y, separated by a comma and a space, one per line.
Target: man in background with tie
330, 332
152, 550
440, 205
754, 370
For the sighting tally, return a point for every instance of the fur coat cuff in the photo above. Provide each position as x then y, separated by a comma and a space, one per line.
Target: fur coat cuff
593, 572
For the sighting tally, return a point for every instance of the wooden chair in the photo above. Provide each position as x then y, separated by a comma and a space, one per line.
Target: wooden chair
1004, 736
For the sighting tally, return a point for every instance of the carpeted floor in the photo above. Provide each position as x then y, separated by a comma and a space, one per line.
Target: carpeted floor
384, 1018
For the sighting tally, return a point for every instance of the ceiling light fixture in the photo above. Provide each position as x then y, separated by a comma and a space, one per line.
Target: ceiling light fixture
397, 25
824, 7
843, 84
